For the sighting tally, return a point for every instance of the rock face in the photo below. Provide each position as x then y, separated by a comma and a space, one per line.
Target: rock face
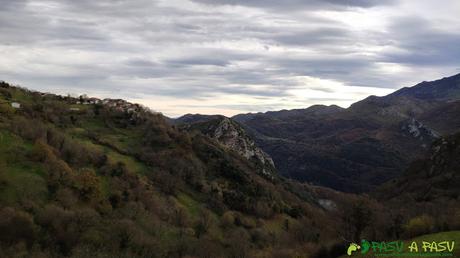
418, 130
230, 134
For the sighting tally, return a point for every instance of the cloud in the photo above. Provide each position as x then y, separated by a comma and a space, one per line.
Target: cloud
316, 36
298, 4
420, 43
227, 56
197, 61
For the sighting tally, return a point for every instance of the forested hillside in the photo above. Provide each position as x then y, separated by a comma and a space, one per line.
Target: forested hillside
83, 177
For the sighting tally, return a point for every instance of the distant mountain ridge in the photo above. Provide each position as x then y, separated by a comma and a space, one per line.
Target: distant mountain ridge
444, 89
283, 114
194, 118
357, 148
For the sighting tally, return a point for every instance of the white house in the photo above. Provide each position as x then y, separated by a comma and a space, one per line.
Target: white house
15, 105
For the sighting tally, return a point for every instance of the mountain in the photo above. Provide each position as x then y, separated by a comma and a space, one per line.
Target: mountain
428, 190
446, 89
193, 118
84, 177
358, 148
230, 134
435, 177
315, 110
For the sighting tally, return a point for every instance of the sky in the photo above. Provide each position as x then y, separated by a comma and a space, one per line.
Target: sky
228, 56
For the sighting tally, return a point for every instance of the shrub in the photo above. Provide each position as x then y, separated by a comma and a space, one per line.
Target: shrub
238, 243
59, 174
295, 212
227, 220
206, 248
61, 225
41, 151
87, 185
303, 232
180, 217
332, 251
204, 223
28, 128
419, 225
66, 197
16, 226
263, 210
260, 237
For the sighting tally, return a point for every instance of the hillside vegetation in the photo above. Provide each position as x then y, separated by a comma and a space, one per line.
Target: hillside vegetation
82, 177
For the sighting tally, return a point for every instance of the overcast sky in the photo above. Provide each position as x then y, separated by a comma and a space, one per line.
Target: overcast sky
228, 56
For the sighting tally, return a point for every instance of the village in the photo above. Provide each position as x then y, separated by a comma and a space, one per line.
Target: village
119, 105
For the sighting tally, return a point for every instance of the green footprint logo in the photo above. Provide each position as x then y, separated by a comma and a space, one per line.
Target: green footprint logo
366, 246
353, 247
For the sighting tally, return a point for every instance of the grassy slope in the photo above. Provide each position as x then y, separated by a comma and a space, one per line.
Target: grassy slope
19, 177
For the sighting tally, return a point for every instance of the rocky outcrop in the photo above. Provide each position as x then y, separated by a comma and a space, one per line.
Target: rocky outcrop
230, 134
419, 131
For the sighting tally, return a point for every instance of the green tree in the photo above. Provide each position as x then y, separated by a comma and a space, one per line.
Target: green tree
87, 185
